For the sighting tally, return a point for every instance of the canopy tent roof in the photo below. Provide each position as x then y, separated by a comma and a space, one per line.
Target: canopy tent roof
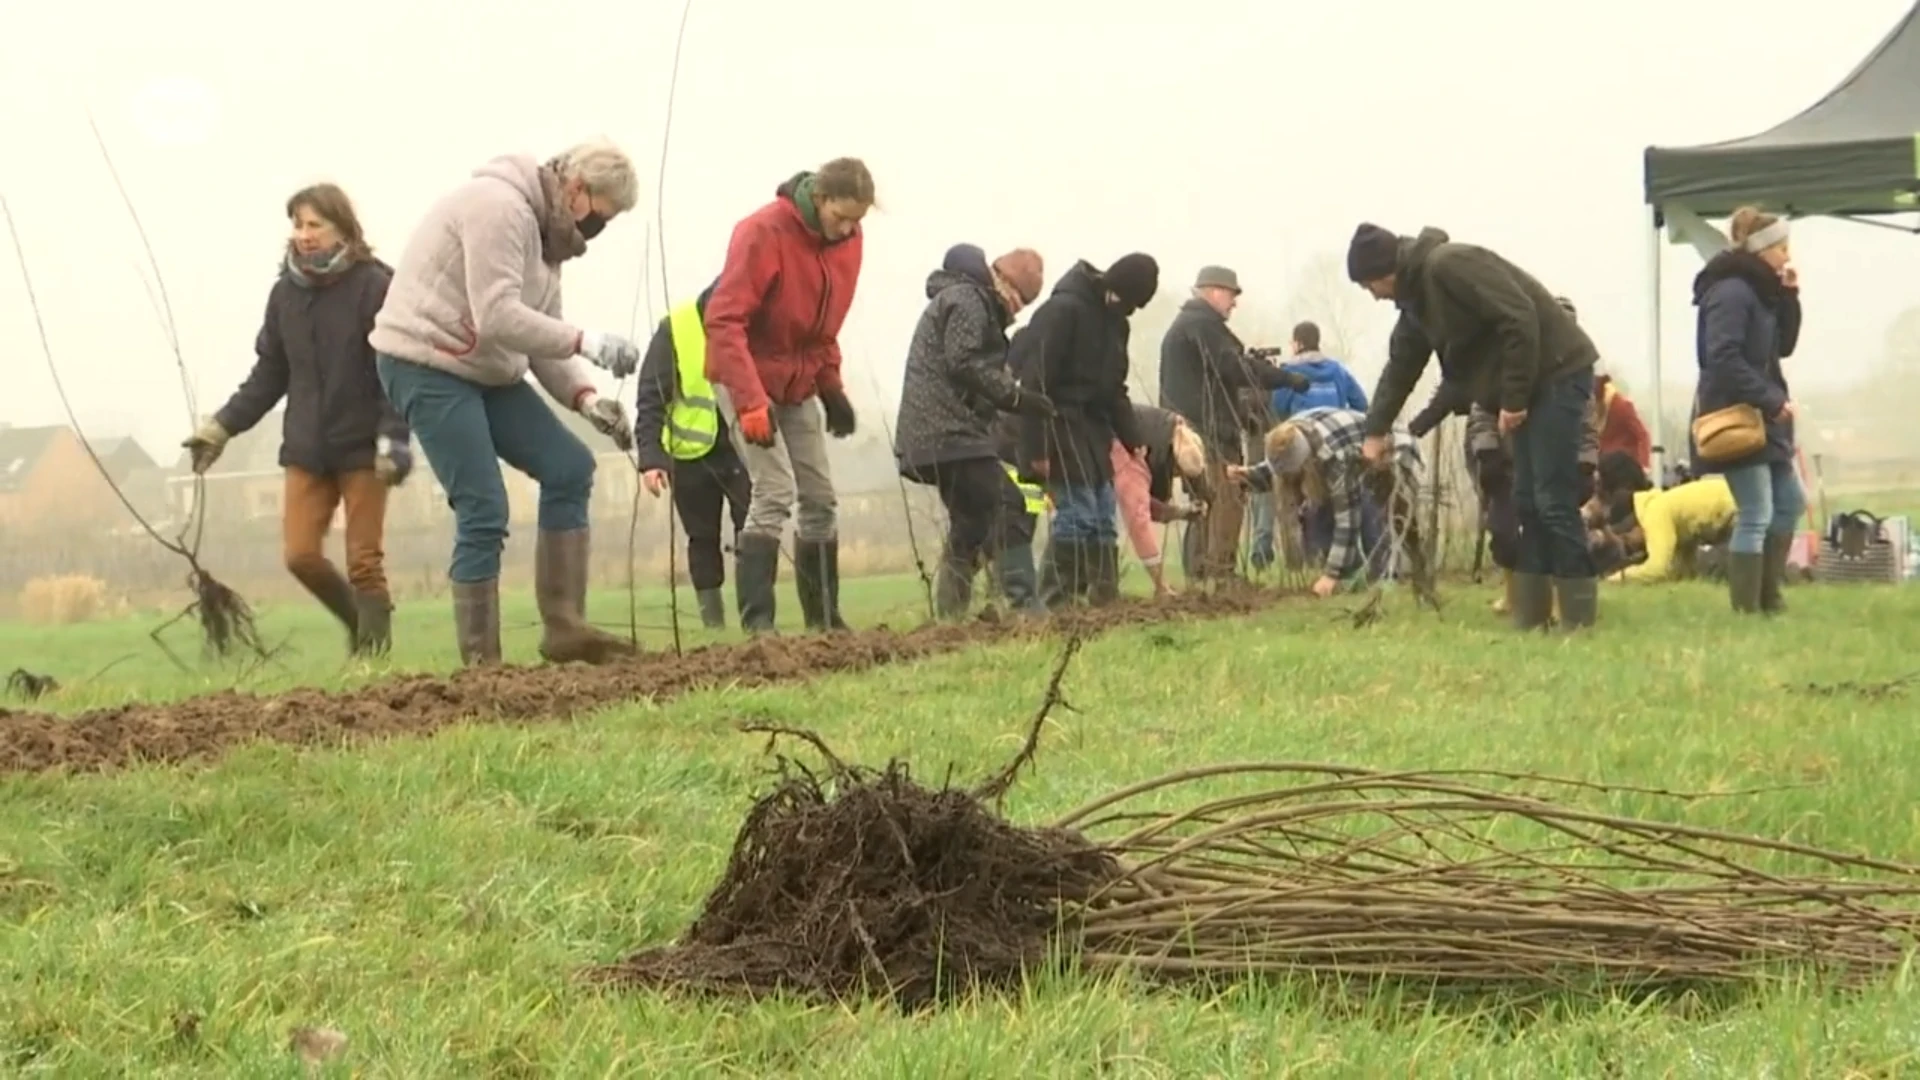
1854, 152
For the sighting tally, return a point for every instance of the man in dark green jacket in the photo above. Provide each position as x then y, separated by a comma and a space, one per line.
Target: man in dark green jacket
1519, 354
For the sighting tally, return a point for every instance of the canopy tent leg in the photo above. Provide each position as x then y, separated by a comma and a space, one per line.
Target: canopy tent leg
1658, 420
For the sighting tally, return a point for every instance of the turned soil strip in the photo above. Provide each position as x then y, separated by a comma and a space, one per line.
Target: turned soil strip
202, 728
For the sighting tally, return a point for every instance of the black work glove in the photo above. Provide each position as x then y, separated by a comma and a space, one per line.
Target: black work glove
839, 412
1295, 381
1034, 403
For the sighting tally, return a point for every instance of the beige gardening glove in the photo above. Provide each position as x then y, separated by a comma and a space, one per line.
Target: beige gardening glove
205, 444
608, 418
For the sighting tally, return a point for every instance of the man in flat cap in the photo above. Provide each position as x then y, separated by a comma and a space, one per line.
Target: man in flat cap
1205, 375
1504, 342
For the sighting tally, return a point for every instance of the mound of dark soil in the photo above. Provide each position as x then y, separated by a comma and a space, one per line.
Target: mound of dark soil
883, 888
204, 727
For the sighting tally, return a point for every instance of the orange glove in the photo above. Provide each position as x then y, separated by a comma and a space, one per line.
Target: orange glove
756, 426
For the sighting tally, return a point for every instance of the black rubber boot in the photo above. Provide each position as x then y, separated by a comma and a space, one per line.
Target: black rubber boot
756, 564
1744, 575
373, 626
1773, 573
1102, 573
1060, 571
1579, 602
816, 576
1532, 601
952, 588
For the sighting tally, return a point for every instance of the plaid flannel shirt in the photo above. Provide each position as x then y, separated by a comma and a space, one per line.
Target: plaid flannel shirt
1336, 436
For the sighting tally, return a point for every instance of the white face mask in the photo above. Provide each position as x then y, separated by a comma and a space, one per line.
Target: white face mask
1189, 453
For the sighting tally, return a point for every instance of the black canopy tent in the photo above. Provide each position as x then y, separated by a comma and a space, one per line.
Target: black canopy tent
1853, 154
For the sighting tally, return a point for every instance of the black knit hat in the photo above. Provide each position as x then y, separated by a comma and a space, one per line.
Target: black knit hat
1373, 254
1134, 279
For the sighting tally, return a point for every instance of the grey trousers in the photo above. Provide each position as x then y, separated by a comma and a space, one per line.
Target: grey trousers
793, 470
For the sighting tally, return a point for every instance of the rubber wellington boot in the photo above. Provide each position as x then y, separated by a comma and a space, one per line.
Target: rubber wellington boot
816, 577
952, 588
1102, 573
1018, 579
756, 565
713, 609
1579, 602
322, 579
373, 624
476, 621
1744, 573
1773, 573
1532, 601
560, 588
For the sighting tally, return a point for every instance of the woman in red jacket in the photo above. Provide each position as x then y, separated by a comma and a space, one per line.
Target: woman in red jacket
773, 328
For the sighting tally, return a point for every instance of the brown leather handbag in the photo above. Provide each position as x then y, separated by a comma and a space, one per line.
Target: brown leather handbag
1729, 434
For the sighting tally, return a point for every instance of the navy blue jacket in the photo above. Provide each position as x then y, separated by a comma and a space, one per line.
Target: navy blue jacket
1749, 321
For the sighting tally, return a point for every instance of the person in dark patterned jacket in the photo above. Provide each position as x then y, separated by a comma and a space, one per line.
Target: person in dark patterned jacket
955, 387
1316, 453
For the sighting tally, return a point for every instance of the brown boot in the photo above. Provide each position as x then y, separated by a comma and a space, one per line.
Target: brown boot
560, 588
476, 621
330, 587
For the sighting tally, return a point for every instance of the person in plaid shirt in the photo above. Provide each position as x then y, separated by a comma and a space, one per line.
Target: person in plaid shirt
1320, 451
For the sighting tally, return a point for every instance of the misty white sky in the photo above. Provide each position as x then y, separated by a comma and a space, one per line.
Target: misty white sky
1245, 132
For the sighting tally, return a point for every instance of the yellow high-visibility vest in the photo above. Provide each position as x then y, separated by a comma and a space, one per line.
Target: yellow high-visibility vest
693, 420
1034, 495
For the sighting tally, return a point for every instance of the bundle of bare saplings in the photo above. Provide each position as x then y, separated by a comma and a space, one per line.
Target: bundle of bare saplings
865, 883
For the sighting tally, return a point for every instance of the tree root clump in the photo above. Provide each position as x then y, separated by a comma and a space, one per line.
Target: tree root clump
868, 884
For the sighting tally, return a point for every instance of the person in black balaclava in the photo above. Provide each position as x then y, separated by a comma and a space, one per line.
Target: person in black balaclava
1074, 352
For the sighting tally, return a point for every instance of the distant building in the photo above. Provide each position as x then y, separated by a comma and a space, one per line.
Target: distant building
48, 480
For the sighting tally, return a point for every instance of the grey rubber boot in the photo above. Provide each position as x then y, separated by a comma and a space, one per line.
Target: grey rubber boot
1579, 602
713, 609
1103, 573
952, 589
373, 624
1532, 601
476, 621
816, 577
1018, 579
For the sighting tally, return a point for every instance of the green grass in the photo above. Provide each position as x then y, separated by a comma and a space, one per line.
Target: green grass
435, 899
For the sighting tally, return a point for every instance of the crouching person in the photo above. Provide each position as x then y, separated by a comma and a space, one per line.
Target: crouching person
1143, 484
475, 305
1318, 455
956, 385
1670, 526
341, 442
773, 354
680, 443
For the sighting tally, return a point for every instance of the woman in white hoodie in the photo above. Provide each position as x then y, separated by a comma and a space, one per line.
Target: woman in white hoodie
474, 305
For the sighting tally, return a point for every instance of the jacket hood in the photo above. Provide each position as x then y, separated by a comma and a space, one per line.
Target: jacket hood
1315, 366
1414, 252
1744, 265
941, 280
522, 173
1083, 280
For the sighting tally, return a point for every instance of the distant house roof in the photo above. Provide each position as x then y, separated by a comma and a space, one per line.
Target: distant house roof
20, 450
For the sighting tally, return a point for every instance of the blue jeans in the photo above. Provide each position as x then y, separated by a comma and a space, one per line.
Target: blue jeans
1546, 479
1766, 499
1085, 513
462, 428
1260, 506
1316, 526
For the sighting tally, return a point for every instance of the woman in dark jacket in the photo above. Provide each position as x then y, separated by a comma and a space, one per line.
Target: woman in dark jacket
1074, 351
340, 440
956, 385
1749, 301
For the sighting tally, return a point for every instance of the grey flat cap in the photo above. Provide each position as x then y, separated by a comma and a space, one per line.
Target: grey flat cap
1217, 277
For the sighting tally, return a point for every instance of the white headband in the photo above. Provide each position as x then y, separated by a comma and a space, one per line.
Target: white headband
1775, 233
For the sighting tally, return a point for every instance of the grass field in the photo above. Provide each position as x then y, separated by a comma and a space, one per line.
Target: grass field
436, 899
